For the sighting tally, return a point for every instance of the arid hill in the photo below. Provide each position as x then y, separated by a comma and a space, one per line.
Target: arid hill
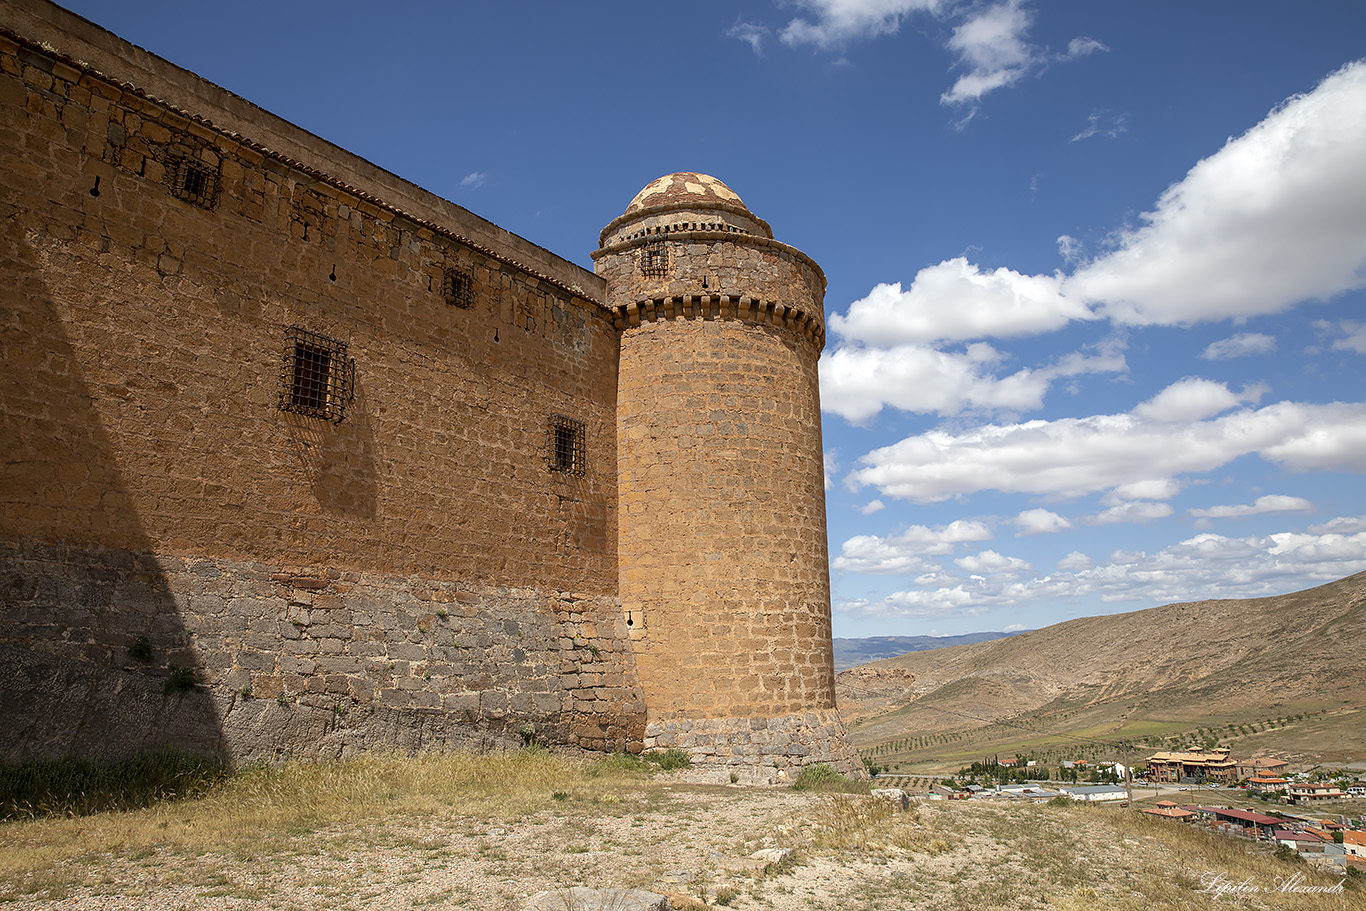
1173, 670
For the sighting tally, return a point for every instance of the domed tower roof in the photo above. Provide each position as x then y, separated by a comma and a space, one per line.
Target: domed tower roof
686, 201
686, 187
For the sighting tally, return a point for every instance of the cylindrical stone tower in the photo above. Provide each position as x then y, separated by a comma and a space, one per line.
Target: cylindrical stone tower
721, 544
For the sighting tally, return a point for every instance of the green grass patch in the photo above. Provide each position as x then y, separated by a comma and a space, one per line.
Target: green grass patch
821, 778
79, 787
668, 760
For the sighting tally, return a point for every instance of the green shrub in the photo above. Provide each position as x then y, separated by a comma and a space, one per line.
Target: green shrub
141, 651
180, 680
668, 760
1285, 852
619, 762
820, 777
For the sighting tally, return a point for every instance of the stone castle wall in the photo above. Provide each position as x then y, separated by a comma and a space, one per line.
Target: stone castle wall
299, 459
155, 491
297, 665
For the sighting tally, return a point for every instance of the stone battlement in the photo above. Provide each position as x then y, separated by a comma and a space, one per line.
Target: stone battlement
715, 306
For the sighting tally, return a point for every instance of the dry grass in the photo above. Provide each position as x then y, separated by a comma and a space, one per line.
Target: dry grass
485, 831
268, 810
846, 824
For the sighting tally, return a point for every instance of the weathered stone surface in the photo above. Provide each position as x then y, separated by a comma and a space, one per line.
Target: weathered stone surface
84, 689
895, 796
758, 863
517, 493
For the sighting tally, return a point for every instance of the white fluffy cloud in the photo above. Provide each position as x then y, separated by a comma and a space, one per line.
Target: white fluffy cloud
1074, 561
957, 301
1074, 457
989, 563
1342, 525
1147, 489
1138, 512
991, 46
1269, 503
1201, 567
857, 382
1244, 344
989, 43
1277, 216
907, 551
1040, 522
1193, 399
835, 22
1353, 334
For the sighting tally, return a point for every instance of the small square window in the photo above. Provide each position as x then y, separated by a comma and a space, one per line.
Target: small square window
654, 259
458, 288
566, 450
194, 182
316, 378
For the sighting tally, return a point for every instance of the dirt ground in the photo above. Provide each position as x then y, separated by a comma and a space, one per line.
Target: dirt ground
692, 842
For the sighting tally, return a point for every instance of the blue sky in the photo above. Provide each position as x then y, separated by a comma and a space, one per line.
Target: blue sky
1096, 270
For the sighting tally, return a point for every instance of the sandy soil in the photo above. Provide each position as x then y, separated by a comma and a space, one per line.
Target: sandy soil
692, 842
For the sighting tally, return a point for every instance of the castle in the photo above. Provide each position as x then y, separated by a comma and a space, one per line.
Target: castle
300, 459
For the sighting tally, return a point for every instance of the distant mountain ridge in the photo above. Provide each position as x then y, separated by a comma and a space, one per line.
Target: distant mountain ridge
1173, 668
853, 652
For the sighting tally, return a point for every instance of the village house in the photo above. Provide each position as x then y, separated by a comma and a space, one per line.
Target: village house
1169, 810
1261, 766
1268, 784
1244, 823
1301, 842
1310, 791
1102, 793
1196, 765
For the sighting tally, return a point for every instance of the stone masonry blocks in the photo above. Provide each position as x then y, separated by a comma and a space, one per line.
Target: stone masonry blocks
413, 555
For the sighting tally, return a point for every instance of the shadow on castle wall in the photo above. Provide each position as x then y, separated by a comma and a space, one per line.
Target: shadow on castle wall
96, 657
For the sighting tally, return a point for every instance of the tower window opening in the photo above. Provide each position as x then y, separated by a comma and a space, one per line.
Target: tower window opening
654, 259
566, 450
316, 379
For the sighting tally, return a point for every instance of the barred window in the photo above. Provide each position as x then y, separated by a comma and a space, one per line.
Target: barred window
565, 450
194, 181
654, 259
316, 379
457, 287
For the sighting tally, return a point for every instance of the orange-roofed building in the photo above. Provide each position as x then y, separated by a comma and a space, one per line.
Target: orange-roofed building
1267, 783
1214, 764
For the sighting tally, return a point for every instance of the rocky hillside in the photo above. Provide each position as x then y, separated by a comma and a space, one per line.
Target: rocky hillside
1174, 666
853, 652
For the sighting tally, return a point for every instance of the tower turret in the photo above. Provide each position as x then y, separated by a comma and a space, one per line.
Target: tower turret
721, 500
